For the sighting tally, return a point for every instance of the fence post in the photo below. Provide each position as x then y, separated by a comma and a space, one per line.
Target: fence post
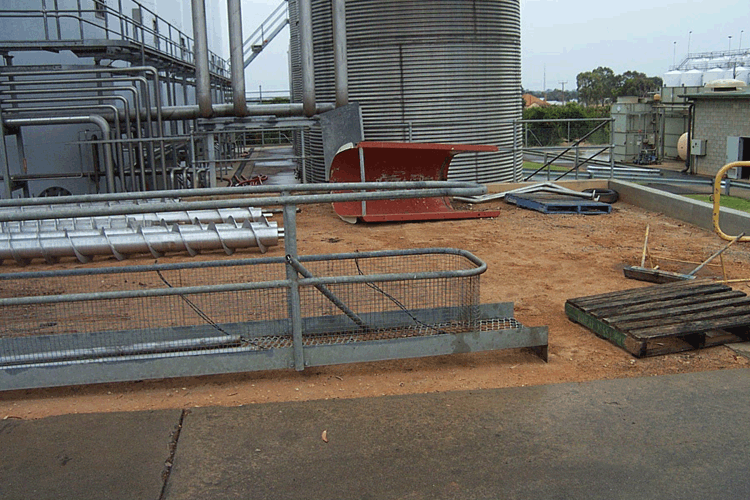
295, 308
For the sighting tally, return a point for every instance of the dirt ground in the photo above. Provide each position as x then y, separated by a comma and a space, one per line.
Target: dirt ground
536, 261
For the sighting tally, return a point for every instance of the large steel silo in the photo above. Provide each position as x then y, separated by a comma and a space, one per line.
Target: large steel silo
446, 71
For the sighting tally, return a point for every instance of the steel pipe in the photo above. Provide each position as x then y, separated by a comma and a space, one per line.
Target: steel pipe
340, 70
137, 115
122, 116
133, 69
8, 181
65, 120
111, 107
200, 45
149, 219
261, 202
306, 54
414, 186
234, 10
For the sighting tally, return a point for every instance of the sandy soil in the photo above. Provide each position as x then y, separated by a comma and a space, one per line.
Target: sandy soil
536, 261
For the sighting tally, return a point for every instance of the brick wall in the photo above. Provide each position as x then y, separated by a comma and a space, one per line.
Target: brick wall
715, 120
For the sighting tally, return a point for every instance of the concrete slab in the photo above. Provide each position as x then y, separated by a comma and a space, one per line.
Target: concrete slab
79, 457
681, 436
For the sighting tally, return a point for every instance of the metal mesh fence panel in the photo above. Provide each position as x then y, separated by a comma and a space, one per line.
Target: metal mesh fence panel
166, 310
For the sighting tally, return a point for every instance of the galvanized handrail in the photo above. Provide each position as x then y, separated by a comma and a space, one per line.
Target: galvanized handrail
242, 190
717, 197
174, 48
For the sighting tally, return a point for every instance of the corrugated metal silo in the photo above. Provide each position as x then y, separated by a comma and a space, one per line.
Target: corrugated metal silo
446, 71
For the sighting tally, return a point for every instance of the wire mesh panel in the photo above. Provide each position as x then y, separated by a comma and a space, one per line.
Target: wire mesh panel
166, 311
378, 309
68, 316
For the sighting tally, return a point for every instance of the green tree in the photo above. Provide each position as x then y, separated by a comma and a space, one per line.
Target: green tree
597, 86
551, 133
638, 84
602, 84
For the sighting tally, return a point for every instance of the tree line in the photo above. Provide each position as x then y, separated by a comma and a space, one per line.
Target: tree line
602, 85
552, 133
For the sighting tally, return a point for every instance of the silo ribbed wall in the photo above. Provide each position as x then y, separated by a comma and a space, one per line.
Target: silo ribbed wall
442, 71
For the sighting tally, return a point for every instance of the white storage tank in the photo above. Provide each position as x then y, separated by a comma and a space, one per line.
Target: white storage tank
672, 78
692, 78
716, 74
742, 73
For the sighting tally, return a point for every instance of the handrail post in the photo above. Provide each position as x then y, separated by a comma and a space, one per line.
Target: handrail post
293, 300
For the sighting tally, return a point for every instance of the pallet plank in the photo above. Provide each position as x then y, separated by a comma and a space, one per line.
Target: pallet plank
689, 327
645, 290
657, 297
677, 314
656, 305
603, 330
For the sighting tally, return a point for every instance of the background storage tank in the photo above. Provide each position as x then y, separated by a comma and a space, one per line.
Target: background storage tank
446, 71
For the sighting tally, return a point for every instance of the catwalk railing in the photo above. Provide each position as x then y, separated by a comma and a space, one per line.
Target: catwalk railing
89, 325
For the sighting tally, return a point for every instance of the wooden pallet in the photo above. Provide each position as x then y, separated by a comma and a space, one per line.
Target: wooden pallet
666, 318
558, 204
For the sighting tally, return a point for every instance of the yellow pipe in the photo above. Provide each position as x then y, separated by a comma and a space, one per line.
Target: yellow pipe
717, 195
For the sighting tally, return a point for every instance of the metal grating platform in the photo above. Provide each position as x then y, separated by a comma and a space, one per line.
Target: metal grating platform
666, 318
558, 204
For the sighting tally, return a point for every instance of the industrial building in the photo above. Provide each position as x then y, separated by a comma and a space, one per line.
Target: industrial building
702, 99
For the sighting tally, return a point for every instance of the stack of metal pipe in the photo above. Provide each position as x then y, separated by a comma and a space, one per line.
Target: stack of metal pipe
121, 236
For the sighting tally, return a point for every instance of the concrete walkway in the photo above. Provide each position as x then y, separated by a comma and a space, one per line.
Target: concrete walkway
681, 436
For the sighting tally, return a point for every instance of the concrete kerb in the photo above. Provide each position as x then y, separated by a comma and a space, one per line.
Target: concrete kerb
697, 213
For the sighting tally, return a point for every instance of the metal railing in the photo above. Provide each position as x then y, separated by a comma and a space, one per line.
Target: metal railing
94, 20
162, 320
265, 33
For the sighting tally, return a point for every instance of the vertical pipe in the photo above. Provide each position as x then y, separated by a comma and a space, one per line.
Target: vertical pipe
340, 69
80, 19
306, 53
44, 17
200, 46
193, 160
362, 176
8, 191
236, 59
303, 157
57, 21
21, 152
122, 20
211, 156
611, 148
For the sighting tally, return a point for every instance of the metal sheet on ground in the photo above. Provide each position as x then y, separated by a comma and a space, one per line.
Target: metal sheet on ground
391, 162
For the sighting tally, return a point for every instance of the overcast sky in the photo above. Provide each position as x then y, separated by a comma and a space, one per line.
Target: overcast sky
568, 37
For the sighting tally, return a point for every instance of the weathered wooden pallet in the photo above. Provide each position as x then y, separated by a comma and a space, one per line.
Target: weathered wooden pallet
666, 318
558, 204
